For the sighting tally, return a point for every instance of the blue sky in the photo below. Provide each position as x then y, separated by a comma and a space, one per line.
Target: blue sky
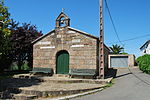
131, 18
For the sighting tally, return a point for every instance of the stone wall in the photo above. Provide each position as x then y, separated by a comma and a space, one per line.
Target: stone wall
82, 49
131, 60
106, 53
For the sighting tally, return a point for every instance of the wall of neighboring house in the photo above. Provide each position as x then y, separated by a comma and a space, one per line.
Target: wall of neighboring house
145, 49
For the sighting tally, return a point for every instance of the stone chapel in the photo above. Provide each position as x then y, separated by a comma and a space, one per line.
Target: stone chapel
66, 49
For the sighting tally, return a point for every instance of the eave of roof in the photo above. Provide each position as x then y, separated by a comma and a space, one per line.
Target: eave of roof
87, 34
41, 37
107, 48
144, 44
82, 32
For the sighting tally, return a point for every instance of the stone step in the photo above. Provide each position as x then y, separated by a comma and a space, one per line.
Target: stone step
71, 80
48, 91
33, 92
5, 95
60, 75
24, 97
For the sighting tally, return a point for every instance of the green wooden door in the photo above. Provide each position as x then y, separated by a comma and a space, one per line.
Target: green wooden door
62, 62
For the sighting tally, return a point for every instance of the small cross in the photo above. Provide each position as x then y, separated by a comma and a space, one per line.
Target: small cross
63, 9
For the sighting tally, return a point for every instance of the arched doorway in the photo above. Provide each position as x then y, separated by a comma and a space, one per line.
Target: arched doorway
62, 62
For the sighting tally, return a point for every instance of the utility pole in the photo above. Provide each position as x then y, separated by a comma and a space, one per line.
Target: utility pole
101, 44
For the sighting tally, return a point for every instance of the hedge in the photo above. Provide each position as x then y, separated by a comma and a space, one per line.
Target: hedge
144, 63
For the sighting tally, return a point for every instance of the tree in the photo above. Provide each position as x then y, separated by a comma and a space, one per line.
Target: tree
4, 19
116, 49
4, 30
4, 34
20, 39
15, 40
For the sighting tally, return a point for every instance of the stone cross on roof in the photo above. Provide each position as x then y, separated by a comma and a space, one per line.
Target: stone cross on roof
63, 9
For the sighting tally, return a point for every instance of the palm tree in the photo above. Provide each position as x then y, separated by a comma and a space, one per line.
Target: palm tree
116, 49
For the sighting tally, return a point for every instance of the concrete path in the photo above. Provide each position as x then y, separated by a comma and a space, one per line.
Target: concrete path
130, 84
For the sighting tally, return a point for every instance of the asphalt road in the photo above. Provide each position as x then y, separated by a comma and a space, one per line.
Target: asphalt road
129, 85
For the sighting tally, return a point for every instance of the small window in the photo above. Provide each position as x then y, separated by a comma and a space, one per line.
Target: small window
144, 51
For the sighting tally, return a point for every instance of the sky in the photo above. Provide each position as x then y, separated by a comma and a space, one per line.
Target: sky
131, 18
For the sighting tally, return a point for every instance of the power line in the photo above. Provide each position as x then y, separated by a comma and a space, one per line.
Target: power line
112, 22
131, 39
144, 81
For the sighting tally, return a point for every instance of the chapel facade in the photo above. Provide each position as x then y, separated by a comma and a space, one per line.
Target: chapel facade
65, 48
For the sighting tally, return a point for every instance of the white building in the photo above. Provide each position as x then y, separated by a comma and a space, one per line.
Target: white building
145, 49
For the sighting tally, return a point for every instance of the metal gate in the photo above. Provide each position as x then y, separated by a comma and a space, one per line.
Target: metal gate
119, 61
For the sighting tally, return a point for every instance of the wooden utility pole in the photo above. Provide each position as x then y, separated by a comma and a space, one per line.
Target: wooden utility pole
101, 49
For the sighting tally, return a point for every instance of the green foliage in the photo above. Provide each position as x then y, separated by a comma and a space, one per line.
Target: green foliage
144, 63
5, 77
25, 66
4, 28
4, 20
15, 42
14, 66
124, 53
116, 49
139, 59
4, 36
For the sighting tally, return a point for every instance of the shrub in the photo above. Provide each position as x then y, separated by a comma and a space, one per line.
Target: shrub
14, 66
144, 63
25, 66
139, 59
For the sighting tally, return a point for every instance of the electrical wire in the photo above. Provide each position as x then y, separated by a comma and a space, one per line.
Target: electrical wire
138, 77
138, 37
113, 22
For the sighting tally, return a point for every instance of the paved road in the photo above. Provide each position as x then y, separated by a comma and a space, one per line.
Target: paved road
128, 86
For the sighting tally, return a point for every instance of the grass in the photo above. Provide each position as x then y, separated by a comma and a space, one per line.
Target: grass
110, 84
5, 77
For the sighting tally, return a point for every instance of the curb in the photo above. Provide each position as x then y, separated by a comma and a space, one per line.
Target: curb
75, 95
